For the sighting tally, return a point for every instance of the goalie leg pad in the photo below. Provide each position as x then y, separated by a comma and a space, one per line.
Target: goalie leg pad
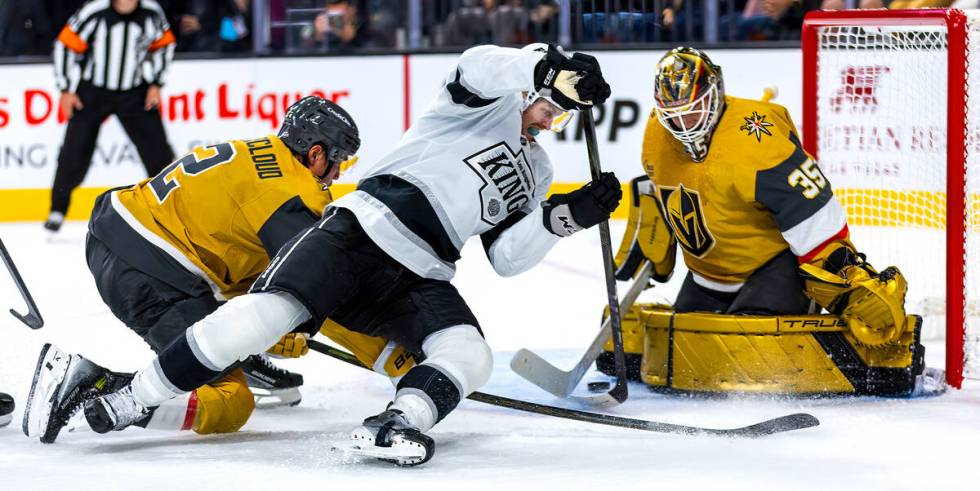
646, 237
789, 354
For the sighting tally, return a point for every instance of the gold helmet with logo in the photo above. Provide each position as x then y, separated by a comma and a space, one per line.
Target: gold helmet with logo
689, 96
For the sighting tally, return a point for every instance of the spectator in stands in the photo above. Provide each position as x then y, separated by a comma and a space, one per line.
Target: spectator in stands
508, 23
543, 15
684, 21
384, 19
25, 28
235, 25
337, 28
787, 16
196, 23
208, 25
906, 4
468, 25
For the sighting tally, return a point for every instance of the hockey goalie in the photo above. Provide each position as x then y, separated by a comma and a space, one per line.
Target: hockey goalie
767, 248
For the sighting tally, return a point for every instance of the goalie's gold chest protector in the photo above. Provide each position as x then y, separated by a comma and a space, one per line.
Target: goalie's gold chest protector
756, 193
222, 207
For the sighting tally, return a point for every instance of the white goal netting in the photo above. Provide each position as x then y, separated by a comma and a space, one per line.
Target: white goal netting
882, 140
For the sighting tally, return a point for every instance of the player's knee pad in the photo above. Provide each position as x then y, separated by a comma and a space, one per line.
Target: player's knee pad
462, 353
458, 361
246, 325
225, 405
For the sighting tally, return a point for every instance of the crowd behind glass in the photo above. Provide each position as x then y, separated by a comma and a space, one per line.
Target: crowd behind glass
28, 27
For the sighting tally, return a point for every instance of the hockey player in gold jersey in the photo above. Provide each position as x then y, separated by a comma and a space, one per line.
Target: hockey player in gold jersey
757, 221
169, 250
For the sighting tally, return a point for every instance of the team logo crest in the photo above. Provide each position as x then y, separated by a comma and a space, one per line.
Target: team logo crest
859, 88
686, 218
508, 181
756, 125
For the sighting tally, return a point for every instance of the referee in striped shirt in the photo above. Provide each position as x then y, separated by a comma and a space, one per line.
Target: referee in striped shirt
111, 58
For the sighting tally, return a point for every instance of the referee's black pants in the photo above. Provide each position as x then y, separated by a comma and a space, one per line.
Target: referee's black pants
145, 129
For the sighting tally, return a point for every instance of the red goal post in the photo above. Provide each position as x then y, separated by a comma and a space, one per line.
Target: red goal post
893, 138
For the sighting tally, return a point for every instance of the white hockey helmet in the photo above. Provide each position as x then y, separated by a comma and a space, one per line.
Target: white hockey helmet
559, 122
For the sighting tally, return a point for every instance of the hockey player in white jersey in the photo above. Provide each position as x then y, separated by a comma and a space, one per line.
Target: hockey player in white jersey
380, 260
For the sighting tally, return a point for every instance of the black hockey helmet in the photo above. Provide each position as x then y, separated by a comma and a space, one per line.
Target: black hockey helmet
312, 120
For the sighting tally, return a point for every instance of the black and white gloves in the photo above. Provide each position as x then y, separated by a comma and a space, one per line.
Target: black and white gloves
565, 214
575, 83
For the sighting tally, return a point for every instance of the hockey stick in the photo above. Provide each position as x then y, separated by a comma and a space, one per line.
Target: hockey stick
619, 392
561, 383
33, 317
789, 422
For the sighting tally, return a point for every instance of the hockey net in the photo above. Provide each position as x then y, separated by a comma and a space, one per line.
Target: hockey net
889, 115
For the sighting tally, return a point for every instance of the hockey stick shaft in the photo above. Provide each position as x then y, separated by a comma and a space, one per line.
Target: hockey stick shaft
776, 425
33, 317
620, 392
561, 383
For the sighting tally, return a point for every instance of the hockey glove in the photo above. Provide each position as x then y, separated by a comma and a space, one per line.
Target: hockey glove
872, 303
575, 83
565, 214
592, 88
292, 345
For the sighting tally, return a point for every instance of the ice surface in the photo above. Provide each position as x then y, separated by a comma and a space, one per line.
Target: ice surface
862, 443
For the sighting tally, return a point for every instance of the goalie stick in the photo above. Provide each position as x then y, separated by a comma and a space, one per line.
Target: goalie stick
538, 371
789, 422
33, 317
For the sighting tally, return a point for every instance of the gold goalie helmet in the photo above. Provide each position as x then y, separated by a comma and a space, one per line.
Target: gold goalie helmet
689, 96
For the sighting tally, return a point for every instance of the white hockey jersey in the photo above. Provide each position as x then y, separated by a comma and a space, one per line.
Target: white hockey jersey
463, 169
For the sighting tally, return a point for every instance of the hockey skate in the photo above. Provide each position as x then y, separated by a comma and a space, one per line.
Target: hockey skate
54, 222
271, 385
62, 383
389, 437
114, 411
6, 409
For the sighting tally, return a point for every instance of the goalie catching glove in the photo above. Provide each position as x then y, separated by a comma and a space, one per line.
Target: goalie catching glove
647, 236
872, 303
575, 83
565, 214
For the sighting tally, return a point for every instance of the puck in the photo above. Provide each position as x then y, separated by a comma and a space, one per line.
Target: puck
598, 386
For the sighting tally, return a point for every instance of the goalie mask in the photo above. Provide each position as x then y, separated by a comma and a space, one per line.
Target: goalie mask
689, 97
562, 117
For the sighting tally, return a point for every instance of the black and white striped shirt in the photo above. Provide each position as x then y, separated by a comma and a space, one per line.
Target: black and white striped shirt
112, 51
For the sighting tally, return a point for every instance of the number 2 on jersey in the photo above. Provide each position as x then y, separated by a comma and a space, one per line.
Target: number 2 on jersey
163, 185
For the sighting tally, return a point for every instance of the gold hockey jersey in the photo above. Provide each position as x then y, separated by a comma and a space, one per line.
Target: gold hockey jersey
220, 212
756, 194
